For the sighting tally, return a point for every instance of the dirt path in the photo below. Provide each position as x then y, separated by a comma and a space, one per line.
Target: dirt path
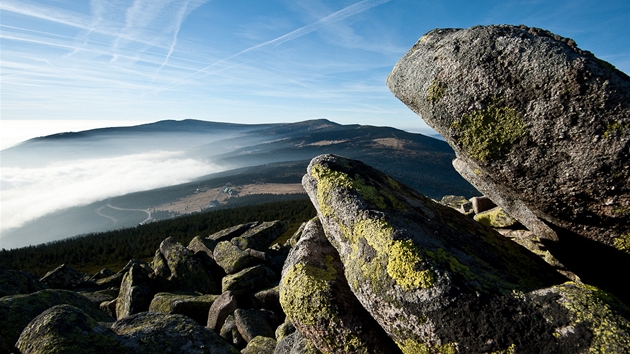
98, 211
202, 199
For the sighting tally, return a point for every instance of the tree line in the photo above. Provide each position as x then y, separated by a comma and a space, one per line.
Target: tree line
92, 252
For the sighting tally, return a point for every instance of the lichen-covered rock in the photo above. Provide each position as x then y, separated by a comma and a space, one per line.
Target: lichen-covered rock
176, 267
135, 293
151, 332
63, 277
103, 273
100, 296
114, 280
14, 282
221, 308
284, 329
232, 258
17, 311
254, 323
260, 345
436, 280
193, 306
247, 280
67, 329
266, 299
316, 297
496, 217
295, 343
261, 236
538, 125
230, 333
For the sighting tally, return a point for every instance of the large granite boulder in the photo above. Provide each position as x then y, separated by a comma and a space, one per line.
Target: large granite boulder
67, 329
261, 236
64, 277
135, 293
437, 281
17, 311
295, 343
176, 267
316, 297
152, 332
538, 125
13, 282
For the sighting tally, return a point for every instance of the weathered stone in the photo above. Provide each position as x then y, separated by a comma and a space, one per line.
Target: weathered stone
261, 236
481, 204
14, 282
230, 333
284, 329
100, 296
67, 329
63, 277
193, 306
457, 202
109, 307
538, 125
17, 311
295, 343
232, 232
316, 297
115, 279
296, 236
103, 273
221, 308
151, 332
253, 323
267, 299
496, 217
177, 268
260, 345
247, 280
200, 244
436, 280
135, 293
233, 259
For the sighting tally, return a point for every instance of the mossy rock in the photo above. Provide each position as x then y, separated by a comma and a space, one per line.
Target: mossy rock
435, 279
318, 301
232, 258
17, 311
260, 345
14, 282
496, 218
67, 329
247, 280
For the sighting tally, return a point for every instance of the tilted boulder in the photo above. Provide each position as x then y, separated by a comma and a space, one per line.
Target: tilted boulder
316, 297
176, 267
537, 124
114, 280
135, 292
193, 306
436, 280
17, 311
254, 323
13, 282
260, 345
220, 309
248, 280
295, 343
232, 258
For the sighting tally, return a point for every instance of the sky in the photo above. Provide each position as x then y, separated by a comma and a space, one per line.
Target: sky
70, 65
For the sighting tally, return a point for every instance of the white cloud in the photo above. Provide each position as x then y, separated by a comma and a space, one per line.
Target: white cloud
29, 193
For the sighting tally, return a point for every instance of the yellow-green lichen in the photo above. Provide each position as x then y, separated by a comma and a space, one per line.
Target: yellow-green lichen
401, 256
595, 308
303, 290
510, 350
615, 128
410, 346
622, 243
489, 133
453, 264
435, 91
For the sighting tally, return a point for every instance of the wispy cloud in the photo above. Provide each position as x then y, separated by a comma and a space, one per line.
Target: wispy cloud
344, 13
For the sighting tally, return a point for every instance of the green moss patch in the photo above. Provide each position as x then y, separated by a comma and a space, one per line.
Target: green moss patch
490, 133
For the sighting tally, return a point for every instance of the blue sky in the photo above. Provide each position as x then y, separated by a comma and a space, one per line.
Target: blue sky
118, 62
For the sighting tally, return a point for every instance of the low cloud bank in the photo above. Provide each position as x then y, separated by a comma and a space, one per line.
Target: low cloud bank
30, 193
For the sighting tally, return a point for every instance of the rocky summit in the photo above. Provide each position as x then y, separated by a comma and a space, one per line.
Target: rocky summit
538, 125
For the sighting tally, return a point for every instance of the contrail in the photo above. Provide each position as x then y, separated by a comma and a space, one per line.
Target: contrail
346, 12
